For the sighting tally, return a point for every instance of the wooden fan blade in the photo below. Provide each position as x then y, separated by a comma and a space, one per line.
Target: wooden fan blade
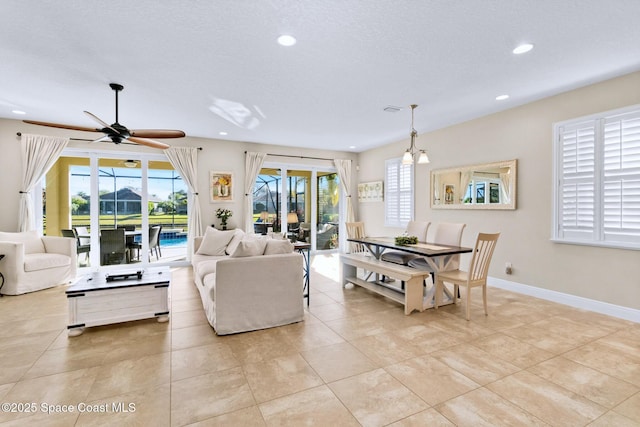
104, 124
157, 133
61, 126
149, 143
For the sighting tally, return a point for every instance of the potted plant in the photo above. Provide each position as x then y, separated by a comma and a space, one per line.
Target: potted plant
224, 215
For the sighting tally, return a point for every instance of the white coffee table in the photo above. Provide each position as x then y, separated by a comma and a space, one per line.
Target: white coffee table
94, 301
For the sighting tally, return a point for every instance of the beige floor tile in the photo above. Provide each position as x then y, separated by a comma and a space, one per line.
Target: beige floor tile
459, 327
250, 416
630, 408
16, 363
351, 328
131, 375
430, 417
132, 349
375, 398
613, 419
338, 361
194, 336
259, 346
4, 389
195, 361
594, 385
474, 363
189, 304
482, 407
329, 312
314, 407
540, 338
545, 400
185, 319
279, 377
198, 398
387, 348
433, 381
428, 339
34, 325
68, 388
64, 359
573, 331
147, 407
518, 353
305, 336
611, 356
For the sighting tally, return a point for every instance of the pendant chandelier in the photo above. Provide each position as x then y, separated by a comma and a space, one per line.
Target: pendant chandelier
407, 158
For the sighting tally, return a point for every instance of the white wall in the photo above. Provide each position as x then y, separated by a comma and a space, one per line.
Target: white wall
218, 155
523, 133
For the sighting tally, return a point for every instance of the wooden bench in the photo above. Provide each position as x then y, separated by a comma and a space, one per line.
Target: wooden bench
411, 297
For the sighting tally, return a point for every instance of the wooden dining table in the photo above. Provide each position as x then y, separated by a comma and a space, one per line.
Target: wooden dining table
439, 257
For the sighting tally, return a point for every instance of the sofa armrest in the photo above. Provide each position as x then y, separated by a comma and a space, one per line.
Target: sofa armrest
59, 245
197, 241
13, 262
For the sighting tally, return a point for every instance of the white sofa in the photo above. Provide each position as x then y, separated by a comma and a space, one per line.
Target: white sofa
247, 282
32, 262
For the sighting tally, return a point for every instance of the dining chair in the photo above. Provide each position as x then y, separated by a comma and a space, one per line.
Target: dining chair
80, 248
446, 233
355, 230
476, 276
131, 243
113, 246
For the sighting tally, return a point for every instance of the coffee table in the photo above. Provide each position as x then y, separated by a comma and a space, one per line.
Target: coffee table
95, 301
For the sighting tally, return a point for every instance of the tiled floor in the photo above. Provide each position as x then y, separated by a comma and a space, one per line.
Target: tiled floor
355, 360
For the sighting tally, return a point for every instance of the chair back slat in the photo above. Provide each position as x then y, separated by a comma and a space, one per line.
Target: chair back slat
482, 254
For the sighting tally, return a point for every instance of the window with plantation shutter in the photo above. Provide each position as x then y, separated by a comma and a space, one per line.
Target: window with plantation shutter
597, 194
398, 193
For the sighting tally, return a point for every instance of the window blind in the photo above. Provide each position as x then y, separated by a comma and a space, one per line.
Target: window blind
598, 188
398, 200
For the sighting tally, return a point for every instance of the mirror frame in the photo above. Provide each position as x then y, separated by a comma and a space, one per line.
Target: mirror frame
512, 164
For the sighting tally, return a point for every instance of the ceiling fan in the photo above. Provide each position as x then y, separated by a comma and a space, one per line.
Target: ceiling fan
118, 133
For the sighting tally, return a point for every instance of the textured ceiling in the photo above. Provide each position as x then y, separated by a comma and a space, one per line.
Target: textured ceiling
211, 66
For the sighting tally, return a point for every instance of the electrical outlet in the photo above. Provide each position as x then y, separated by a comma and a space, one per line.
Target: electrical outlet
508, 268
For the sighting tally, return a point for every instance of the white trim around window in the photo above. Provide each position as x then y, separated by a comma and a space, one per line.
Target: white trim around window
597, 180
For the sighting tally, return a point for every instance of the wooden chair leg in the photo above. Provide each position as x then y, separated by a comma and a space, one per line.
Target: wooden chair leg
436, 297
484, 298
468, 302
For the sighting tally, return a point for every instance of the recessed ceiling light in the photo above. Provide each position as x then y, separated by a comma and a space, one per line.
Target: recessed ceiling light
286, 40
18, 112
501, 97
223, 133
352, 147
523, 48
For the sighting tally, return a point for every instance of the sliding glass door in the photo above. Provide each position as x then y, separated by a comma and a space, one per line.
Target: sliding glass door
308, 212
127, 210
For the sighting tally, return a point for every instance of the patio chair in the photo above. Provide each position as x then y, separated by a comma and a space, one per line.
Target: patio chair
113, 247
80, 248
154, 240
476, 276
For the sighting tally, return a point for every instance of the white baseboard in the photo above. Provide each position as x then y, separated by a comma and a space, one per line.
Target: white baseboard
567, 299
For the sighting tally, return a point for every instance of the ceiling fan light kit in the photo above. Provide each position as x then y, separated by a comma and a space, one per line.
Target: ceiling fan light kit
118, 133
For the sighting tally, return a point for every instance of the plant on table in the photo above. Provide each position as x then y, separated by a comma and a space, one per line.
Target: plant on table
224, 215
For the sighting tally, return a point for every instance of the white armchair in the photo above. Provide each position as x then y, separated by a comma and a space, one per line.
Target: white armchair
32, 262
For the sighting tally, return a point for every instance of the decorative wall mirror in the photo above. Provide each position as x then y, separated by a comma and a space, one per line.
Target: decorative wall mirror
483, 186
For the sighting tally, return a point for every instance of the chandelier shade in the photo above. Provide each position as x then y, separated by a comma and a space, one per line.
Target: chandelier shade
410, 153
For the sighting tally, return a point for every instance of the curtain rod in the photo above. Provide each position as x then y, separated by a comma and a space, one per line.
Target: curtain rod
91, 140
297, 157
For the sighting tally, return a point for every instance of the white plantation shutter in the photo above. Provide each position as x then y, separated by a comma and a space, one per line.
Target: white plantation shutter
621, 178
598, 180
398, 193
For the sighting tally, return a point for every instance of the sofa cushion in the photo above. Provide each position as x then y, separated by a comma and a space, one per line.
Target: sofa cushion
278, 246
215, 242
249, 247
32, 242
34, 262
238, 235
207, 267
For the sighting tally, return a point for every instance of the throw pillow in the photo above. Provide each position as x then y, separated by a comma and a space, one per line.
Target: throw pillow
238, 235
215, 242
277, 246
249, 247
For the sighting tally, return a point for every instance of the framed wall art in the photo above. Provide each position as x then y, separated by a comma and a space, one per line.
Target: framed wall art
371, 191
221, 186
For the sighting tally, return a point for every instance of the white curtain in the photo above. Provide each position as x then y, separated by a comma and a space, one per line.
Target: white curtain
185, 160
253, 163
39, 153
465, 179
344, 172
